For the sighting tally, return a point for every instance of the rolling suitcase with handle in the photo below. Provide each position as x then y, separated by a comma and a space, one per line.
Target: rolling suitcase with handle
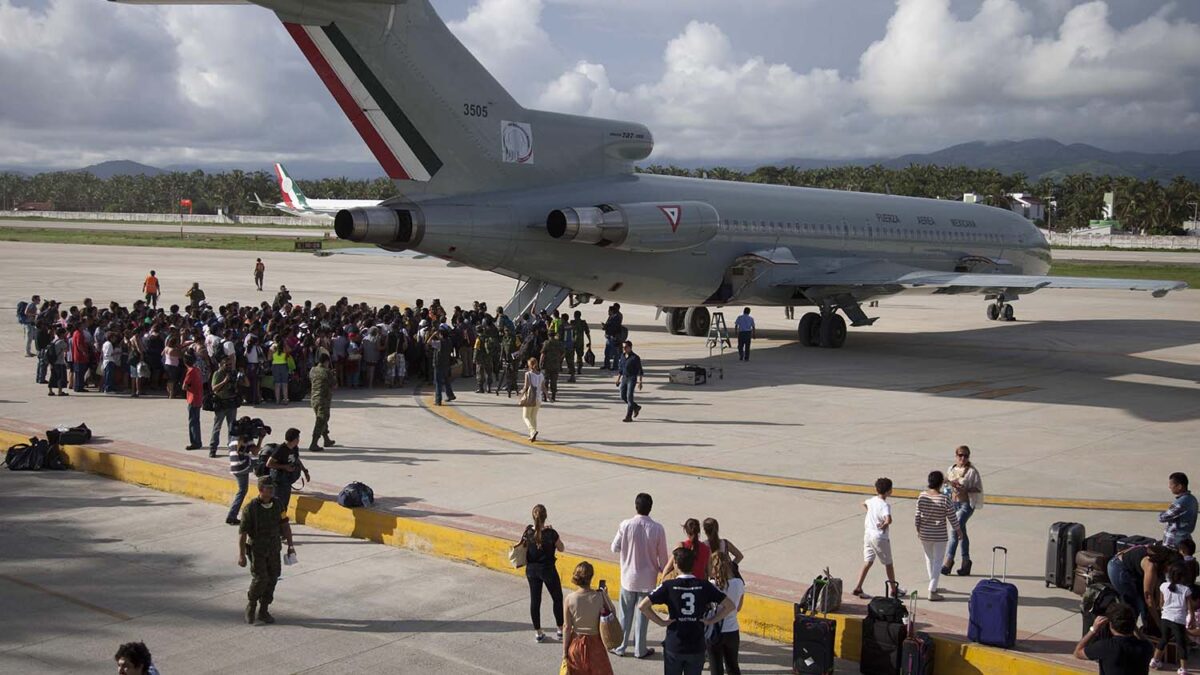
812, 641
883, 633
992, 609
1066, 539
916, 654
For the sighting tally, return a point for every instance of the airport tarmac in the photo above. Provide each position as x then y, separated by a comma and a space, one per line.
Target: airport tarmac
91, 563
1087, 395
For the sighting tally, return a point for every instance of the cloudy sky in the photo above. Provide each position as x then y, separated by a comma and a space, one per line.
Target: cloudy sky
716, 80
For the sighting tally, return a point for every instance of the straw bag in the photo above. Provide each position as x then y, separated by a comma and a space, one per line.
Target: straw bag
610, 628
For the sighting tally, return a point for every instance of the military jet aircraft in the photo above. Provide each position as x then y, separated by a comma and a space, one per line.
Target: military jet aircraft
553, 201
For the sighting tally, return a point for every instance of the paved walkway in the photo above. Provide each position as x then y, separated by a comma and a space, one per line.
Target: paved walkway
1089, 396
91, 563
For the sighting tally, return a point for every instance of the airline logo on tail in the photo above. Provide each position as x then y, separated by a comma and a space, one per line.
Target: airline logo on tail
293, 196
397, 145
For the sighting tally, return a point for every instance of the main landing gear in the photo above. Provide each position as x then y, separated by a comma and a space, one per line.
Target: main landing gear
1000, 310
827, 329
693, 321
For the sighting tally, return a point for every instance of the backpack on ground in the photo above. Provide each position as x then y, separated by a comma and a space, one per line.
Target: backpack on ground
77, 435
355, 495
36, 455
21, 307
825, 594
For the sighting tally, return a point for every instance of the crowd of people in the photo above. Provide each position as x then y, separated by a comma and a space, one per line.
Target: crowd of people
223, 358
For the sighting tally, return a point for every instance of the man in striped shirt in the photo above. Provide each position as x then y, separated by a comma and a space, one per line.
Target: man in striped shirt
241, 454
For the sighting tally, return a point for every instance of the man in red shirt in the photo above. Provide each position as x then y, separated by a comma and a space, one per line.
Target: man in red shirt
193, 386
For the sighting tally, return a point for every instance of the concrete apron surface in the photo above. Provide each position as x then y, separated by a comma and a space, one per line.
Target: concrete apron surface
1088, 395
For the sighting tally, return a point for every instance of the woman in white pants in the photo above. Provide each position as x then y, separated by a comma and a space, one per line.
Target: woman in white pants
934, 510
531, 398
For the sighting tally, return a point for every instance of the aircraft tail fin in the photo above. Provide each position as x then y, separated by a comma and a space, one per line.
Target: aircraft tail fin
292, 195
433, 116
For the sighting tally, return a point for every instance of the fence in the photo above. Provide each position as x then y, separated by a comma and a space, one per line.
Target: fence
1162, 242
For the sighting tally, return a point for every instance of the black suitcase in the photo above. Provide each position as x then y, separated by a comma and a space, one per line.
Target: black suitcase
813, 638
1066, 539
883, 634
1134, 540
1103, 542
916, 654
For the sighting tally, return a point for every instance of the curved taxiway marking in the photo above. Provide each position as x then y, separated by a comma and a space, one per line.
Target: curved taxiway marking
459, 418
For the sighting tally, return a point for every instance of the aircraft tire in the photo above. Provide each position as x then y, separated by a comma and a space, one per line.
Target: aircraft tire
810, 329
833, 331
696, 321
673, 319
1009, 314
993, 312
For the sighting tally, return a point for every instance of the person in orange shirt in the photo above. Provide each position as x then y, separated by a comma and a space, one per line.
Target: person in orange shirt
151, 289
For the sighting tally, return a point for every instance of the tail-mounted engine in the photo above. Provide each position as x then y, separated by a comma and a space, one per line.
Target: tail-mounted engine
644, 228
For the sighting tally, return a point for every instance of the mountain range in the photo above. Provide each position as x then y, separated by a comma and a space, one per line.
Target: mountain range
1036, 158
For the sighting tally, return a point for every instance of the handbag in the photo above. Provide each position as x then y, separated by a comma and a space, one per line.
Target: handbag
519, 554
528, 396
611, 633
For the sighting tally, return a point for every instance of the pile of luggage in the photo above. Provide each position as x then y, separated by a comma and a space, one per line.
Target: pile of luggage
891, 644
41, 454
1079, 563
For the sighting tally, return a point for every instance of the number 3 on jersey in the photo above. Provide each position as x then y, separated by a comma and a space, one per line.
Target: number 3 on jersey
689, 604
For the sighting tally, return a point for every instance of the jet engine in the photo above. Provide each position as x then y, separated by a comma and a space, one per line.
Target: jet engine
649, 227
383, 225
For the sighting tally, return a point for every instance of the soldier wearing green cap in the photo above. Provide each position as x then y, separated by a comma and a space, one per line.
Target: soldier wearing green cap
321, 398
264, 526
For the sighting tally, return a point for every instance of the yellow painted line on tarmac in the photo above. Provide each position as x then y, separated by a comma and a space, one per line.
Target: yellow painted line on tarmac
456, 416
761, 615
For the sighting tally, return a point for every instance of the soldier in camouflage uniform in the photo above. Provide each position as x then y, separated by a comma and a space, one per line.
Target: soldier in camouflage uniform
321, 378
581, 335
552, 357
508, 369
487, 352
260, 540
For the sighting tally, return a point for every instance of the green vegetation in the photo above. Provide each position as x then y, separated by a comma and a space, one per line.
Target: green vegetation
1188, 273
1146, 206
229, 242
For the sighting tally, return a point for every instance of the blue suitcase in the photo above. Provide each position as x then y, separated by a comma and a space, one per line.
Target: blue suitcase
992, 610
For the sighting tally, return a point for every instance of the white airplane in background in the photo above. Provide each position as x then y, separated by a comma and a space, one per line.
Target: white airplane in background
296, 204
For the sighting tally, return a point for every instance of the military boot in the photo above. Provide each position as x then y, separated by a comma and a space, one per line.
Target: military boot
265, 616
250, 606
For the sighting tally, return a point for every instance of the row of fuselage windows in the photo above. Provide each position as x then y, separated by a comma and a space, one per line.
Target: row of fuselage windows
860, 231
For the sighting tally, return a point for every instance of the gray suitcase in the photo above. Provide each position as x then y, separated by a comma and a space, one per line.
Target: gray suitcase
1066, 539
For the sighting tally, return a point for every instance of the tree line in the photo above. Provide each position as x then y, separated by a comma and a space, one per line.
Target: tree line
1146, 206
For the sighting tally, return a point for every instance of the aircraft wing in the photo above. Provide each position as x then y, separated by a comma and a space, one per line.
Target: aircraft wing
380, 253
889, 277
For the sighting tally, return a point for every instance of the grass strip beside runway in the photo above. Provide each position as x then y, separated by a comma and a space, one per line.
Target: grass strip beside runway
229, 242
1116, 270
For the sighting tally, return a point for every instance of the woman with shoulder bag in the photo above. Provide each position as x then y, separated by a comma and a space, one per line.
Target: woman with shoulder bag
723, 656
583, 649
542, 544
531, 397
